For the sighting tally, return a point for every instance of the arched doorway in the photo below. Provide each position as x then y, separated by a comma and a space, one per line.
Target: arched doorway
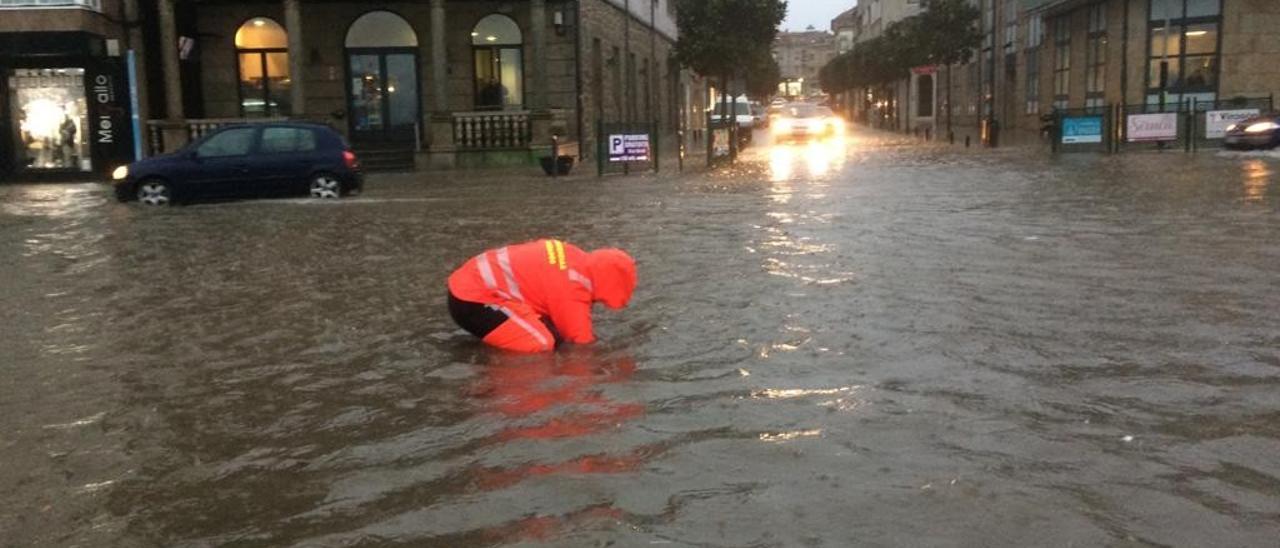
497, 47
382, 74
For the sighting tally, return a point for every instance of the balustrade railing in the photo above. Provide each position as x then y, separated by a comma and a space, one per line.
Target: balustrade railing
491, 130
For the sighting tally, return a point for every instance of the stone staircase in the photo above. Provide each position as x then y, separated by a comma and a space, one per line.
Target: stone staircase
375, 157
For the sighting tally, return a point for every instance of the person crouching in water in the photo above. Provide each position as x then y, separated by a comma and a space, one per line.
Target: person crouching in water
533, 296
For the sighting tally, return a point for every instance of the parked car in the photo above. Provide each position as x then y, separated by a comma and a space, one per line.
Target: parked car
759, 118
1257, 132
269, 159
739, 111
803, 121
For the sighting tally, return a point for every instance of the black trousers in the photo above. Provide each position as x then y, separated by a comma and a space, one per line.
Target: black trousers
481, 319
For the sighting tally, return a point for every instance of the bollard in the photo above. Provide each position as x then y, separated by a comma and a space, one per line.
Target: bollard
680, 153
926, 134
966, 141
951, 137
555, 156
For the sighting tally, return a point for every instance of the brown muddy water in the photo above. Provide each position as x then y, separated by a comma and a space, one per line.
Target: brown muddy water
864, 344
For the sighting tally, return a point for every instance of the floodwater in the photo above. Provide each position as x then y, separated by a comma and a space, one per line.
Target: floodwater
856, 344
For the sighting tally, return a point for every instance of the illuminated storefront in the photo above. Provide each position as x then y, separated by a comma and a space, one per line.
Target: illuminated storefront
64, 106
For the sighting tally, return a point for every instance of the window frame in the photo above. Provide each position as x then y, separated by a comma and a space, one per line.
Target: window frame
260, 54
1062, 61
1179, 60
495, 57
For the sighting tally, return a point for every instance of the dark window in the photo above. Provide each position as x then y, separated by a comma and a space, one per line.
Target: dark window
287, 139
1062, 62
1096, 57
231, 142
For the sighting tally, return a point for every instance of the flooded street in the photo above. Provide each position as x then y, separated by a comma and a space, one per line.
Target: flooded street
854, 344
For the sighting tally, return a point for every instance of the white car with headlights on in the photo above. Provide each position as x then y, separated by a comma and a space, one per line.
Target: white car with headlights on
804, 122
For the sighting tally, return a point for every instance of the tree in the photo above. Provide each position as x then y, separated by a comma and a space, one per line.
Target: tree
726, 38
761, 77
953, 38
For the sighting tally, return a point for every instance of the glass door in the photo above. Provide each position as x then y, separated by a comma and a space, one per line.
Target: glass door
384, 97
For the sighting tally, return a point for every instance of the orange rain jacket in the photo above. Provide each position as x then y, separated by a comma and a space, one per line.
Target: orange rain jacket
557, 280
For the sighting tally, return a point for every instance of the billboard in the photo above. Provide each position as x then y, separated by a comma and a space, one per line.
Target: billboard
1151, 127
1081, 129
1216, 121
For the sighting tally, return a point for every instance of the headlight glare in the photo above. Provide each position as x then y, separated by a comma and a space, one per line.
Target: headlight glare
1262, 127
120, 173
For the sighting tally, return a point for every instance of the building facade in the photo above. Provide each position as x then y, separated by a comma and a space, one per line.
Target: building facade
436, 83
800, 56
65, 101
1087, 55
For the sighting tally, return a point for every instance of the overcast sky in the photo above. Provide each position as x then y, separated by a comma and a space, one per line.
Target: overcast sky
819, 13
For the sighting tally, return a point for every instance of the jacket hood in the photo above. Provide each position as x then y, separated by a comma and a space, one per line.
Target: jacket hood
613, 277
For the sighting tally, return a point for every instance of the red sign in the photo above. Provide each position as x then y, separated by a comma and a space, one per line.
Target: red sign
927, 69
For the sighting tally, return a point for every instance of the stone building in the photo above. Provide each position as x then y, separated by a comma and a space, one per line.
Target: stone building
438, 83
800, 56
1086, 55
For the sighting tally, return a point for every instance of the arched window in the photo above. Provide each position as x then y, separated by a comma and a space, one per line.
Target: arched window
262, 52
497, 46
381, 29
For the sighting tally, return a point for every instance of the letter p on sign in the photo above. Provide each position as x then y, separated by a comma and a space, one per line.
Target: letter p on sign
615, 145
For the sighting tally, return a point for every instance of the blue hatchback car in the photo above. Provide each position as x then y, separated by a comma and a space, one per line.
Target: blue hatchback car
269, 159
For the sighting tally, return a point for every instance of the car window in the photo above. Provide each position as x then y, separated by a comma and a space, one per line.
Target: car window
803, 111
231, 142
287, 139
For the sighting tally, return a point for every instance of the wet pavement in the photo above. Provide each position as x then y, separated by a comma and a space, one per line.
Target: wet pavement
857, 344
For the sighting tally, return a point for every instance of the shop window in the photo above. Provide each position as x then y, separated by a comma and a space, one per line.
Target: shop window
1061, 62
262, 53
498, 50
1096, 57
50, 113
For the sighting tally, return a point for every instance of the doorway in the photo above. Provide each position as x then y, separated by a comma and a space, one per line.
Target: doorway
383, 95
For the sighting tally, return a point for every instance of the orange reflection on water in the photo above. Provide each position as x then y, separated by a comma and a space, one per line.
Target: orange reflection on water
1257, 177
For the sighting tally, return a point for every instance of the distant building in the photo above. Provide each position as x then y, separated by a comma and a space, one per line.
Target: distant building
800, 56
846, 27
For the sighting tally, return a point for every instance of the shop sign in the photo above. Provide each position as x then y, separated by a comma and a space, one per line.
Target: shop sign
630, 147
110, 137
1081, 129
1152, 127
1216, 121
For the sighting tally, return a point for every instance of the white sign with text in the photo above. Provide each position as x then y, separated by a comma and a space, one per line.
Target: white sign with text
1152, 127
1217, 121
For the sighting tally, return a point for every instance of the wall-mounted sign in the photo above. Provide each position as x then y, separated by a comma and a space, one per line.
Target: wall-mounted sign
1081, 129
1152, 127
1216, 121
629, 147
110, 131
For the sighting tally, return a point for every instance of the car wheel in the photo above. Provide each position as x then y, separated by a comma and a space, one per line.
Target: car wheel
155, 192
324, 185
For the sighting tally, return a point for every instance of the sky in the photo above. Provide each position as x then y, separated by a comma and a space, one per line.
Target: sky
819, 13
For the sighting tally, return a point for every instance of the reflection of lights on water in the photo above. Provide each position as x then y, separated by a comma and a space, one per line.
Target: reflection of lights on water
1257, 176
788, 436
819, 158
788, 393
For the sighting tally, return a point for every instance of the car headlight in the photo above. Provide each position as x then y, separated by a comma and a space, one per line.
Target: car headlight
121, 173
1233, 127
1262, 127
